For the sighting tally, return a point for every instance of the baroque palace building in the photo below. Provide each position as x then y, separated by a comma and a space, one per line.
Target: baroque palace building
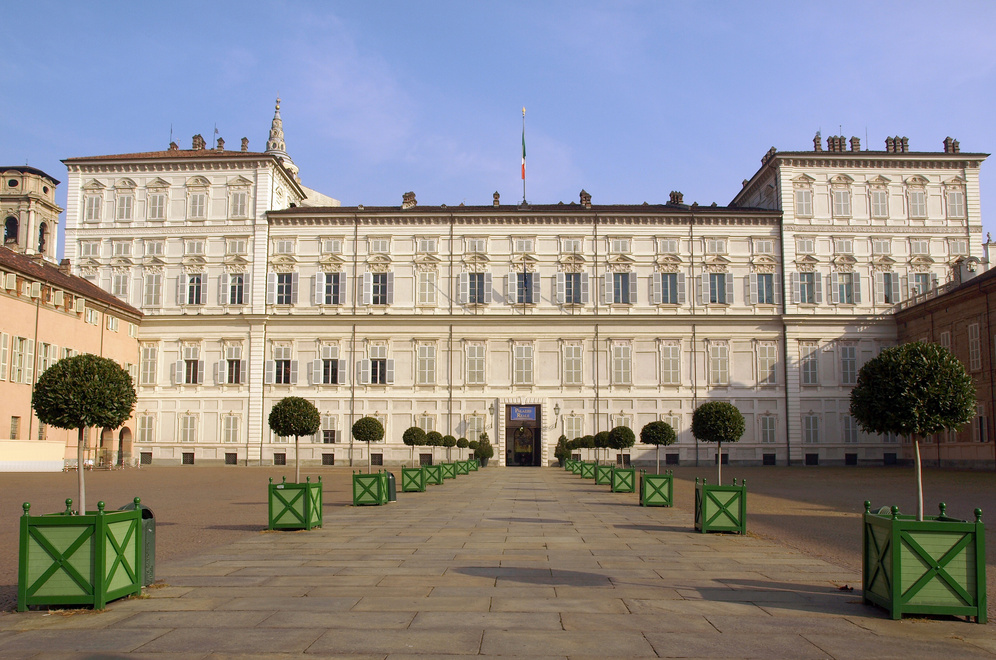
524, 321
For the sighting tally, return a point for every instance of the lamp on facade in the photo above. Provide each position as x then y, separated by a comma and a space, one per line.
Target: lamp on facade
556, 409
491, 409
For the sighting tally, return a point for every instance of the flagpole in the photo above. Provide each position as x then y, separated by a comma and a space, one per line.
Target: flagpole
523, 155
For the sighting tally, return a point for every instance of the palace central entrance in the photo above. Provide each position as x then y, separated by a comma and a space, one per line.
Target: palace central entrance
523, 436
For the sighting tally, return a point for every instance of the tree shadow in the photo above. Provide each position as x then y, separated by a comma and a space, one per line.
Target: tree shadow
545, 521
537, 576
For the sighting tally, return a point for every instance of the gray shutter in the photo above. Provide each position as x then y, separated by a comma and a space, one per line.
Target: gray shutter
200, 372
223, 298
880, 287
319, 289
776, 285
895, 287
221, 372
364, 371
271, 288
390, 288
729, 288
584, 288
535, 289
315, 373
342, 373
243, 371
796, 288
178, 372
818, 285
607, 296
857, 287
390, 372
560, 288
752, 288
463, 289
488, 286
510, 285
295, 277
293, 374
633, 289
656, 289
834, 288
681, 288
181, 289
367, 288
268, 368
342, 288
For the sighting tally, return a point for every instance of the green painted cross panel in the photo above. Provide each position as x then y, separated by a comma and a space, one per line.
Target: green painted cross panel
721, 508
656, 490
603, 475
576, 467
473, 465
449, 470
412, 480
624, 480
368, 489
295, 505
462, 467
433, 474
587, 470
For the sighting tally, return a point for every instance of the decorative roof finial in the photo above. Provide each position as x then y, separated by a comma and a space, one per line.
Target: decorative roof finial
275, 145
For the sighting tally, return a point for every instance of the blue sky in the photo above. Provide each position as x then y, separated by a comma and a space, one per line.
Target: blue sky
628, 100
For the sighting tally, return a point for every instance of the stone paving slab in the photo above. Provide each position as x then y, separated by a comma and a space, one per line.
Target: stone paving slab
528, 563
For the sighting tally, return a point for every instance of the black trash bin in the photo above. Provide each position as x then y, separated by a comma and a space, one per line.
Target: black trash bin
392, 488
148, 567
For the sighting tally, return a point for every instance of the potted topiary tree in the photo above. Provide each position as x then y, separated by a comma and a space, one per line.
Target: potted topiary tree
433, 439
623, 477
413, 478
484, 450
934, 564
100, 554
560, 452
473, 459
449, 467
297, 505
369, 488
599, 441
462, 443
413, 437
719, 507
462, 466
449, 442
434, 472
657, 489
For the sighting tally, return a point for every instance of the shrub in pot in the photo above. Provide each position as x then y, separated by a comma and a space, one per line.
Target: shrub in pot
561, 452
598, 441
657, 434
434, 439
295, 416
621, 437
414, 437
484, 450
449, 442
719, 507
462, 443
368, 429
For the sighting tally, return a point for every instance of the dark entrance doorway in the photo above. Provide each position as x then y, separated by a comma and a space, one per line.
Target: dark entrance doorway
523, 435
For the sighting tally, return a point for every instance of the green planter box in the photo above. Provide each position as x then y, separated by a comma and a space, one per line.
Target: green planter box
576, 467
934, 566
657, 489
462, 467
568, 464
624, 480
369, 489
603, 475
587, 470
473, 465
433, 474
449, 470
295, 506
721, 508
79, 560
412, 480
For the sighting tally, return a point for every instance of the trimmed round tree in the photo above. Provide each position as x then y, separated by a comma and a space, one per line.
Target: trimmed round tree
434, 439
413, 437
462, 443
80, 392
719, 422
598, 441
657, 434
914, 390
474, 444
449, 441
622, 437
295, 416
368, 429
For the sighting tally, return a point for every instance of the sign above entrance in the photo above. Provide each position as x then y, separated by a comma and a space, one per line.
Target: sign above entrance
522, 413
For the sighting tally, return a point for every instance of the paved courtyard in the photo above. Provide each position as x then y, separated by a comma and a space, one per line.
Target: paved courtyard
502, 562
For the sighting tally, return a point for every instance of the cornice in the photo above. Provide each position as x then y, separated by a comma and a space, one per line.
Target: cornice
121, 167
773, 219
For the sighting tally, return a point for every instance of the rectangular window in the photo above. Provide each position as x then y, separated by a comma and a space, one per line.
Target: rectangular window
379, 366
956, 204
331, 245
239, 204
805, 245
476, 294
848, 365
230, 429
882, 245
233, 365
194, 247
15, 427
188, 428
92, 210
767, 429
670, 364
523, 367
573, 426
194, 288
764, 246
153, 294
236, 246
622, 364
150, 356
843, 246
112, 322
121, 248
842, 203
330, 288
715, 246
524, 288
804, 202
809, 364
719, 364
19, 347
198, 205
123, 208
155, 248
849, 430
573, 289
620, 288
379, 290
765, 288
974, 347
668, 246
619, 246
572, 364
327, 369
236, 288
192, 369
475, 427
811, 429
921, 283
946, 340
426, 245
380, 245
4, 348
119, 285
879, 204
157, 206
717, 288
426, 422
521, 245
807, 288
669, 289
571, 245
845, 288
146, 428
918, 204
475, 364
285, 288
427, 287
282, 364
767, 359
920, 246
283, 246
90, 249
426, 369
476, 245
887, 285
957, 247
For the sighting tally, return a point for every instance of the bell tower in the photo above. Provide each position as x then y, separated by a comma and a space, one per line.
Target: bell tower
28, 210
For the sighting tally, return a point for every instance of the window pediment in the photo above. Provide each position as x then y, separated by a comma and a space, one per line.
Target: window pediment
379, 259
844, 260
717, 260
87, 263
921, 261
198, 182
239, 182
955, 182
121, 261
884, 264
808, 260
282, 260
841, 180
332, 262
803, 180
523, 259
153, 261
427, 259
879, 181
476, 263
668, 263
125, 184
194, 261
621, 260
158, 184
236, 260
916, 180
94, 186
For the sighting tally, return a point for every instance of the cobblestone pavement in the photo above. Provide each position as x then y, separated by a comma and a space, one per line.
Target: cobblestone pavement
501, 562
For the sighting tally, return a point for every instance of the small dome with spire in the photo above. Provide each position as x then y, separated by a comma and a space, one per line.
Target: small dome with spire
275, 144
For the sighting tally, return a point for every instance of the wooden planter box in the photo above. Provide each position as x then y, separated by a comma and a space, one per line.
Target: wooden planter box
576, 467
449, 470
369, 489
721, 508
937, 566
433, 474
657, 489
412, 480
587, 470
624, 480
69, 560
473, 465
462, 467
568, 464
603, 475
295, 506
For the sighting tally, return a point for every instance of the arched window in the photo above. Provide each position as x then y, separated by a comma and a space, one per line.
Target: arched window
42, 237
10, 230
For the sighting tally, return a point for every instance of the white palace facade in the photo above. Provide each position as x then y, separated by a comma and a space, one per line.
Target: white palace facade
515, 319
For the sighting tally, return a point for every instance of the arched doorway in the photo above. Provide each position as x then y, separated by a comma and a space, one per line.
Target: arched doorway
523, 446
105, 448
125, 449
10, 227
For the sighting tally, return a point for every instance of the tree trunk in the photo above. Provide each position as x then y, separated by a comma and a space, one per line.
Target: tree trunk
368, 457
80, 468
919, 479
297, 460
719, 462
658, 459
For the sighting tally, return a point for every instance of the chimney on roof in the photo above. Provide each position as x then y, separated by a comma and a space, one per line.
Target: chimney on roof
905, 145
951, 146
818, 142
890, 145
768, 156
65, 267
245, 144
173, 146
198, 143
676, 198
221, 144
855, 144
585, 199
497, 198
408, 200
